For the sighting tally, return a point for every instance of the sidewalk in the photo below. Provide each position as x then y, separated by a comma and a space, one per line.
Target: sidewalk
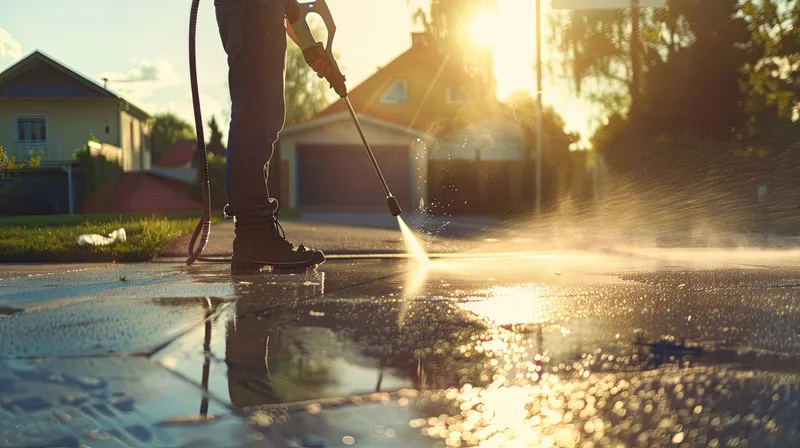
447, 226
351, 234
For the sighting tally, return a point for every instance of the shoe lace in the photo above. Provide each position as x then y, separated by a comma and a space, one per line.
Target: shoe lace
279, 232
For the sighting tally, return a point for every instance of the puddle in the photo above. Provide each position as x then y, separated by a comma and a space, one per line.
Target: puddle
100, 327
329, 348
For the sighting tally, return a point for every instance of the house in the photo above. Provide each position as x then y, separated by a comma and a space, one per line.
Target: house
442, 139
49, 108
53, 110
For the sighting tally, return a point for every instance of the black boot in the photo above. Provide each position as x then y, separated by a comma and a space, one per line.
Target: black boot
263, 243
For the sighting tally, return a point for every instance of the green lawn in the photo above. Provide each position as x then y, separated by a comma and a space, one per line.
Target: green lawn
53, 238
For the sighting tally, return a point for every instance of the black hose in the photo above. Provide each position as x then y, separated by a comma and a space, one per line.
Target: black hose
203, 229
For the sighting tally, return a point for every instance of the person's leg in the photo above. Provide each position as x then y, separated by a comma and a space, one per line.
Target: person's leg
254, 37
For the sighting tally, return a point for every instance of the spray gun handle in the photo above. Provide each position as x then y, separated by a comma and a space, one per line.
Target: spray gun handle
296, 14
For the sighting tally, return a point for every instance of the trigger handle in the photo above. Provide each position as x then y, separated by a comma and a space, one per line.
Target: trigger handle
296, 14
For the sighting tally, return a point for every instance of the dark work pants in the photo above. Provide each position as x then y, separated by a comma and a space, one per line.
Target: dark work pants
254, 37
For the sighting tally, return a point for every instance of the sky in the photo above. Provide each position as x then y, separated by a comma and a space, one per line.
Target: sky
146, 41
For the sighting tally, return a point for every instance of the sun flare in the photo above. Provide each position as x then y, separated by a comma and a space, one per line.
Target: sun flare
509, 32
484, 30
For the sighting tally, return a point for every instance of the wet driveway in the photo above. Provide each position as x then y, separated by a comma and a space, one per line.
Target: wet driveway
573, 349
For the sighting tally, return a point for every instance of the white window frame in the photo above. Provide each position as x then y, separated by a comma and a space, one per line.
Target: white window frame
402, 82
449, 96
15, 124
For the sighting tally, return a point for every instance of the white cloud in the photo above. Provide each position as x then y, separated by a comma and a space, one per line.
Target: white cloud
142, 80
9, 47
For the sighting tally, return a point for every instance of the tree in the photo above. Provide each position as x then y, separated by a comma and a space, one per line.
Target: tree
448, 24
597, 43
555, 140
697, 88
773, 78
215, 145
556, 157
692, 53
166, 129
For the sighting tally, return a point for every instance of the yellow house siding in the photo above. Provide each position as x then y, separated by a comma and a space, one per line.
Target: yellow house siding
69, 123
134, 142
147, 158
130, 157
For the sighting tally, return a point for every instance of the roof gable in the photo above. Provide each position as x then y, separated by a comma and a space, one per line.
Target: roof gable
418, 85
371, 89
39, 76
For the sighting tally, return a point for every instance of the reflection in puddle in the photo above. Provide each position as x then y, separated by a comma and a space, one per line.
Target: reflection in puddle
297, 363
521, 304
464, 370
494, 367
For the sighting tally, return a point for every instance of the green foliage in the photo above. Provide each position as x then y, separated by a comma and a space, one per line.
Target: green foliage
305, 94
10, 167
49, 240
596, 44
692, 54
215, 145
35, 159
555, 141
11, 163
166, 129
95, 170
772, 79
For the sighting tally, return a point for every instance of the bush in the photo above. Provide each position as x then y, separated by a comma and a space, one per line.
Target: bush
95, 170
11, 164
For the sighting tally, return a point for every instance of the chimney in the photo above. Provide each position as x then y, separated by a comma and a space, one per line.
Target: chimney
418, 38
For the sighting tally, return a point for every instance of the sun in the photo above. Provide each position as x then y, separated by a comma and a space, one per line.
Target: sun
508, 32
484, 30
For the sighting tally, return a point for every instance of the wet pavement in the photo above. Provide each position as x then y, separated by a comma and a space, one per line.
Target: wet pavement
438, 235
640, 348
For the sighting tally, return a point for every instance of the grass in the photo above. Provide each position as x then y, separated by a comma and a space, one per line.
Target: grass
54, 238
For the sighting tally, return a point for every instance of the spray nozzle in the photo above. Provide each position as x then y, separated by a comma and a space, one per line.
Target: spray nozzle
394, 206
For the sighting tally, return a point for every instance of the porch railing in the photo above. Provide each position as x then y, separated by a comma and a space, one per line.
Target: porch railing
48, 151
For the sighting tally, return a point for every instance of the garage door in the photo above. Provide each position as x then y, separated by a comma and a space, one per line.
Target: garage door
341, 177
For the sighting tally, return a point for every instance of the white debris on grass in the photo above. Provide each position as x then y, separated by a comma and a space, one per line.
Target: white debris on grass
100, 240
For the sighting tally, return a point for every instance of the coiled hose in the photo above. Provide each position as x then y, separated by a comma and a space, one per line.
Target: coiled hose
203, 229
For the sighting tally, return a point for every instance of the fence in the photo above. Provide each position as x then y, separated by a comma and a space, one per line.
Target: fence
50, 189
22, 152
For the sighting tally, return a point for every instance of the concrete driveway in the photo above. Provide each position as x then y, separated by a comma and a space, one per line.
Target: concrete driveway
561, 348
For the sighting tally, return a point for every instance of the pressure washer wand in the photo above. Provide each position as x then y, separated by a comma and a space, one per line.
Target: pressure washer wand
296, 14
371, 156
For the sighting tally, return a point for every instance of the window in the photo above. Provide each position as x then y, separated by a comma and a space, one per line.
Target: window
31, 129
456, 95
395, 93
